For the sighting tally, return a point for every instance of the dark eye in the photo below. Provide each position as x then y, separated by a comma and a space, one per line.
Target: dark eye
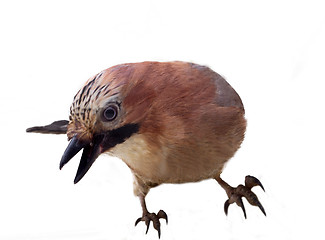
110, 113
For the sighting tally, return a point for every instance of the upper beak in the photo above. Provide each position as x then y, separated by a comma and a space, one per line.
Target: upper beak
92, 149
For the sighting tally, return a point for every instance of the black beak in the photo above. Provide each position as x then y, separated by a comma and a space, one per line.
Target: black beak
90, 153
75, 145
92, 149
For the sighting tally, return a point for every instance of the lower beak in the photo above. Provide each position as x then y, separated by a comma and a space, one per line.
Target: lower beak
91, 150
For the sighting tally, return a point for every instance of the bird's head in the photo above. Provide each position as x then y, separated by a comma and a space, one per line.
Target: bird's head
105, 112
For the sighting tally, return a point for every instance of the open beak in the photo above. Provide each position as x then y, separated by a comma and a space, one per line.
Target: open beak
94, 147
91, 150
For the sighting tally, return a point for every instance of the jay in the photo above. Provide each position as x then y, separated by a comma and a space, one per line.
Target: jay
170, 122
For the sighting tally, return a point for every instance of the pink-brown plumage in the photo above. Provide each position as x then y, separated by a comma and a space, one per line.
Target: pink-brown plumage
171, 122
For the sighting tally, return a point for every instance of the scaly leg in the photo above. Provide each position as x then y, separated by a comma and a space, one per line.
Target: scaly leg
235, 194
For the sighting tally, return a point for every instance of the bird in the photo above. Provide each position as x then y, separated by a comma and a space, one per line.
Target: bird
169, 122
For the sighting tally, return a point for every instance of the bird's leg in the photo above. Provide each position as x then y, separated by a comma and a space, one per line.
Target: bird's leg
147, 216
235, 194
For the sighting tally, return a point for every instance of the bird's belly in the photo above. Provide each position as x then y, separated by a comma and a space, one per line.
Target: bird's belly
182, 167
168, 165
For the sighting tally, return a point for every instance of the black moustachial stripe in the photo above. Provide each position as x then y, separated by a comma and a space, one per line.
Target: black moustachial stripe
119, 135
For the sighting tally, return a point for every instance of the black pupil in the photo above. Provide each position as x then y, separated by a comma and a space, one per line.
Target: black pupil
110, 113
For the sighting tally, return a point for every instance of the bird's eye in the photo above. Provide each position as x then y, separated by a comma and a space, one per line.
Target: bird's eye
110, 113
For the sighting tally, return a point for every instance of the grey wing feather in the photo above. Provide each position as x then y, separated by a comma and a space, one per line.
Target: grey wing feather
57, 127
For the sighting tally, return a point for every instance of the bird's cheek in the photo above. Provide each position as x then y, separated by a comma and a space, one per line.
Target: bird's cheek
117, 136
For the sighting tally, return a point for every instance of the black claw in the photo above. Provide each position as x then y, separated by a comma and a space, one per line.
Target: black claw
251, 181
137, 221
236, 194
226, 206
241, 204
148, 217
162, 214
156, 225
148, 225
262, 209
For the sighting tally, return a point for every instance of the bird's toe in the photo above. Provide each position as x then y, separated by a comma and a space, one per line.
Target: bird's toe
148, 217
236, 194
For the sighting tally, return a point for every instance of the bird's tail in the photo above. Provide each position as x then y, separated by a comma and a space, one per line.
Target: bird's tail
57, 127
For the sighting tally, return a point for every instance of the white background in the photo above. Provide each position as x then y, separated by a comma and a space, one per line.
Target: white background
271, 52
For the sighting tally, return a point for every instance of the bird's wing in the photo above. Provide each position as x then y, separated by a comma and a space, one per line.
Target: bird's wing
57, 127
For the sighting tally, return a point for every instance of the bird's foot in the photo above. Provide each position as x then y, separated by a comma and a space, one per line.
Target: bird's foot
235, 194
147, 217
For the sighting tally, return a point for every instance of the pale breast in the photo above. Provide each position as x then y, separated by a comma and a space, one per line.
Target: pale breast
186, 161
141, 157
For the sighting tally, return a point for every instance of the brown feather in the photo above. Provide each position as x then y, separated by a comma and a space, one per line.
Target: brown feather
192, 122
